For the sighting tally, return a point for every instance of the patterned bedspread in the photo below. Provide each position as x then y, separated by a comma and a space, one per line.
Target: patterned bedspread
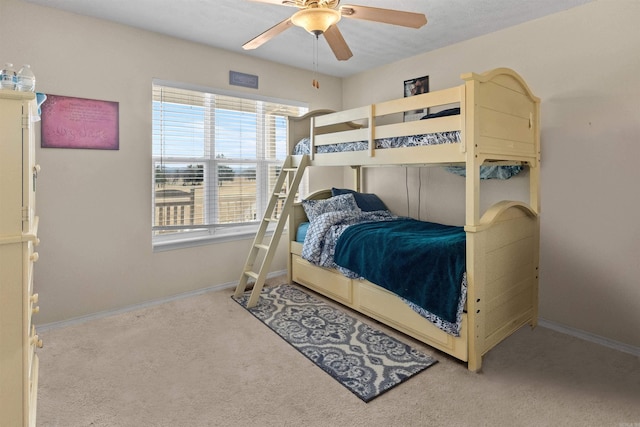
486, 171
322, 235
302, 147
320, 244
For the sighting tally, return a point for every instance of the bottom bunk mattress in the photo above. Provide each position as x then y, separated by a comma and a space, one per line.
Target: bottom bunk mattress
421, 262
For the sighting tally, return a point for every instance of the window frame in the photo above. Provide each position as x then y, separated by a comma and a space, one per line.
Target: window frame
216, 233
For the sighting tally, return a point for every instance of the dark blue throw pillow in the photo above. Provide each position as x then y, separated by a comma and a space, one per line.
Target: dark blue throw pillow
365, 201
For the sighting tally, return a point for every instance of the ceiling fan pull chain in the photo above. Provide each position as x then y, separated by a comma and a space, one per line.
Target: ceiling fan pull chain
315, 83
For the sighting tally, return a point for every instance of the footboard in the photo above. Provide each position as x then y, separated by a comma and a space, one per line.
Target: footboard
502, 272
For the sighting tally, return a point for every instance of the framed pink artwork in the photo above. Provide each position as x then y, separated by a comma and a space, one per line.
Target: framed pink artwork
69, 122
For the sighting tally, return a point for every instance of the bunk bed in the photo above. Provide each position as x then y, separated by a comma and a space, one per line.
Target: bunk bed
495, 122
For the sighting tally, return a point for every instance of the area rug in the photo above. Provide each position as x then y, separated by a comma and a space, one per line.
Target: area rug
365, 360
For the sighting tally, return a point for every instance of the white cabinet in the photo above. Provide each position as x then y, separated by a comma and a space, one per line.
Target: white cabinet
18, 242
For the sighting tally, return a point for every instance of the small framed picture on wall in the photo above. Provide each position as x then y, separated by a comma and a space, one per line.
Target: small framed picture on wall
413, 87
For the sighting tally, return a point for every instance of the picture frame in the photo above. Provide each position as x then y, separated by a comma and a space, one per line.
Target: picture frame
414, 87
70, 122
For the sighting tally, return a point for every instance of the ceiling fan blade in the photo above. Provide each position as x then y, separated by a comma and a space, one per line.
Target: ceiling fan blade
278, 2
267, 35
387, 16
337, 43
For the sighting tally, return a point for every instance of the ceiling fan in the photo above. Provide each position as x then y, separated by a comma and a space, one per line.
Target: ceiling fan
321, 17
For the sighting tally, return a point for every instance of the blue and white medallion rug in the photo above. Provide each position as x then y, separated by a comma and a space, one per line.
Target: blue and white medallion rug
365, 360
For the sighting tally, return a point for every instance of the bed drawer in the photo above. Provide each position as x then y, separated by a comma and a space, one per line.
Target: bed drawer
322, 280
382, 305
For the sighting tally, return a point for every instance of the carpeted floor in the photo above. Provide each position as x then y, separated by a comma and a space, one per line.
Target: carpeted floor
204, 361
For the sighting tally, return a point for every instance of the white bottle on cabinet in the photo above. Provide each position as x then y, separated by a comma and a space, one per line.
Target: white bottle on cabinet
25, 79
8, 77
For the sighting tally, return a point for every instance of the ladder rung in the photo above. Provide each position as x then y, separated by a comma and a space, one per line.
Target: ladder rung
285, 189
251, 274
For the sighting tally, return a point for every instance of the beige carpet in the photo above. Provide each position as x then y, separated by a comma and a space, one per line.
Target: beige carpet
205, 361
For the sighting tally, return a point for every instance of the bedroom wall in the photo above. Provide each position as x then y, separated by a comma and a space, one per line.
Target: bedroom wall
584, 64
95, 206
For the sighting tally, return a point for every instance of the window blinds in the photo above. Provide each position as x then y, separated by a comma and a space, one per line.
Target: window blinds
215, 158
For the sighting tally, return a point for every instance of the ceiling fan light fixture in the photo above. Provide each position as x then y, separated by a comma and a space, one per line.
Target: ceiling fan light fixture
316, 20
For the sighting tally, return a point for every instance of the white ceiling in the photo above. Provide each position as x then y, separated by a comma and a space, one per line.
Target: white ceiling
228, 24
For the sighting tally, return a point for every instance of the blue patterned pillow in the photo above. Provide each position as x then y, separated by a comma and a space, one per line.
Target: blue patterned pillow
365, 201
315, 208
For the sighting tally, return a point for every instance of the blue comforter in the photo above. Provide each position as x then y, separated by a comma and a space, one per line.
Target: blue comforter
420, 261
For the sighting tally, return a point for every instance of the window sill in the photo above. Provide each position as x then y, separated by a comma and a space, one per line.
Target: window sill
203, 238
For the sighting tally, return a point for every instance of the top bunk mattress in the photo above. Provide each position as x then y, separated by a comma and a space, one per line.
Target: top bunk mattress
450, 137
302, 147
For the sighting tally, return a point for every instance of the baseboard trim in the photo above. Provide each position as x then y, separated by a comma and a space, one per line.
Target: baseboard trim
578, 333
587, 336
81, 319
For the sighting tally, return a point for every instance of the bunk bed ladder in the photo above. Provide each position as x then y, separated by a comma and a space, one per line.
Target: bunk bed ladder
285, 190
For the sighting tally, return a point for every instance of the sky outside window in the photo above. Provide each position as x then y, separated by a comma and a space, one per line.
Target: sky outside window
184, 132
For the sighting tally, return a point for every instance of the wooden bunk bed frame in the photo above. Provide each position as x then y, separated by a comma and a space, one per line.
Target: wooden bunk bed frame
499, 122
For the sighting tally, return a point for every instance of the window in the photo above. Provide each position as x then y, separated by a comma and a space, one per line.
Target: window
215, 160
